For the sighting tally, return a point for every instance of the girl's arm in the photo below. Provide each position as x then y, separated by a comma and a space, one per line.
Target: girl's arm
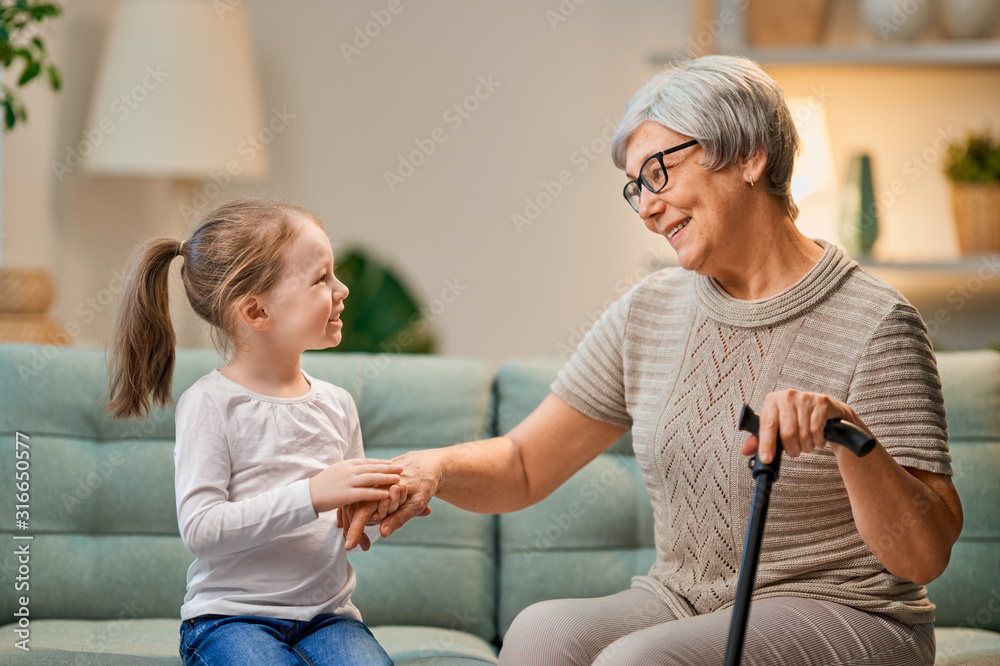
212, 525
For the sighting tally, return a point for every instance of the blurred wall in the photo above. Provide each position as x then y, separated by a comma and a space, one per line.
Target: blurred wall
539, 86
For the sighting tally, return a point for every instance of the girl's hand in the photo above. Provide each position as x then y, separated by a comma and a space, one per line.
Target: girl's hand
799, 418
397, 495
355, 480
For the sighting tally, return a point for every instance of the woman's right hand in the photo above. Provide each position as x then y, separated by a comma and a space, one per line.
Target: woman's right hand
420, 475
354, 480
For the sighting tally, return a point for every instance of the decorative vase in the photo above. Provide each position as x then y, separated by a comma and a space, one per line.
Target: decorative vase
969, 19
976, 207
859, 217
897, 19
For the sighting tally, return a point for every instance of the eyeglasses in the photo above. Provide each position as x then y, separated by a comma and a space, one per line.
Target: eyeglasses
652, 175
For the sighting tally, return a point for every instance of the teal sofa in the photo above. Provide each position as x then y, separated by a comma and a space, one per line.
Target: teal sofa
106, 567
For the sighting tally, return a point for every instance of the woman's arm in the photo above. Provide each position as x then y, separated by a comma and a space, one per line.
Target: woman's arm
908, 518
497, 475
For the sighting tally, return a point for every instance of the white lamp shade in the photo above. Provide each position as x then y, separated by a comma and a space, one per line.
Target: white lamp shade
814, 170
177, 93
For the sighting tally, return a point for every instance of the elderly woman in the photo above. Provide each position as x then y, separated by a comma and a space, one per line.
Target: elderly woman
757, 314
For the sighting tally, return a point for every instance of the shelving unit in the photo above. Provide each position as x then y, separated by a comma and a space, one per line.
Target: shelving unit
978, 53
729, 31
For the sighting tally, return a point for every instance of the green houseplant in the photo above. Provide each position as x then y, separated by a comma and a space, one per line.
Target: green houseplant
20, 42
381, 314
25, 292
973, 167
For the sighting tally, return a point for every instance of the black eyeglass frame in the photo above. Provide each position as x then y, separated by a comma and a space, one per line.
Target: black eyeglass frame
639, 182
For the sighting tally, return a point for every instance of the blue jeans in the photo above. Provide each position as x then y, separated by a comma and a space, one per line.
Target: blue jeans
245, 640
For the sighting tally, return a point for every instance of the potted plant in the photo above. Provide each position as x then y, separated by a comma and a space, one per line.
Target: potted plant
25, 293
973, 167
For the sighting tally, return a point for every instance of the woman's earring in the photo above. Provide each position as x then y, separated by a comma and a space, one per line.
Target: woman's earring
751, 181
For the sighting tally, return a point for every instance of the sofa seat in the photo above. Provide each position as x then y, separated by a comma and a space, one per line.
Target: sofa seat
155, 641
960, 646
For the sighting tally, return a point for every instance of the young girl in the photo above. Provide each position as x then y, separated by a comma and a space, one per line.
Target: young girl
264, 452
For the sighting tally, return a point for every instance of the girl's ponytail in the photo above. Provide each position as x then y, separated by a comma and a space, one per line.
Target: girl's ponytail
141, 344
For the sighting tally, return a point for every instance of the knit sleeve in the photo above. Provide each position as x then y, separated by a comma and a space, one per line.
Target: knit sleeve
896, 391
593, 381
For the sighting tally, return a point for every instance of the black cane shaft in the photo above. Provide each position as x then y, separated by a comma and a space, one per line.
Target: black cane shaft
748, 570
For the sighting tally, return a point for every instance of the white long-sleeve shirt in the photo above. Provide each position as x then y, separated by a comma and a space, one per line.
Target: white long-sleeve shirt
242, 466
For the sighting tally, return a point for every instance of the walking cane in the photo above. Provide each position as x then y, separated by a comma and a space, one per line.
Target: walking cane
764, 475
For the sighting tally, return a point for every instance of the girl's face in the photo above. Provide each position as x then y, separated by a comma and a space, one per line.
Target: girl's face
305, 305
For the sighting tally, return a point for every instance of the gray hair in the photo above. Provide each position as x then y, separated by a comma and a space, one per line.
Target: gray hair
730, 105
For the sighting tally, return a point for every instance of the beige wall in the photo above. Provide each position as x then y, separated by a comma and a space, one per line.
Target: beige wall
527, 292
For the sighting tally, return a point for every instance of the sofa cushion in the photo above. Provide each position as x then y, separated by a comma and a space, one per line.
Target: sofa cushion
966, 647
102, 498
590, 536
968, 593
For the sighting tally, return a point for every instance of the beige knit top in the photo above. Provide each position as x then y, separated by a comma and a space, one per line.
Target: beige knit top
676, 358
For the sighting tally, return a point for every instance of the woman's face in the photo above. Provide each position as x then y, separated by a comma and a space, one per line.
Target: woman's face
698, 211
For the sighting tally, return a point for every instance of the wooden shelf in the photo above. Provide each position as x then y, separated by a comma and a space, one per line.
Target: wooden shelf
848, 42
967, 53
972, 272
968, 264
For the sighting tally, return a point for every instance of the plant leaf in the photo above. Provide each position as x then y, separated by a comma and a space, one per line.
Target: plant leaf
31, 70
55, 80
9, 119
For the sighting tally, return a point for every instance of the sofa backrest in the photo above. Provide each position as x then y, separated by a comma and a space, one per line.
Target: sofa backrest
586, 539
102, 512
595, 532
968, 593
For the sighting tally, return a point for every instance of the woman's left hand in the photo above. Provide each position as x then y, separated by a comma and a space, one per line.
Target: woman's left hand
799, 418
909, 518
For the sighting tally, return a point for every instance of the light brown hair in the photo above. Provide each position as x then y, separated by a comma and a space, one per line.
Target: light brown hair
236, 251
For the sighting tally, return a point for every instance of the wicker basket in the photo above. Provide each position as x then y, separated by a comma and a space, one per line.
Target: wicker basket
783, 23
25, 290
35, 328
977, 216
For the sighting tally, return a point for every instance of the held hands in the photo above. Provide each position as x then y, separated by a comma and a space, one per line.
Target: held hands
799, 418
418, 485
354, 480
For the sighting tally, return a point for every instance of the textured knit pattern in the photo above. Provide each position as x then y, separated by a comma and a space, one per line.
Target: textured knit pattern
677, 357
